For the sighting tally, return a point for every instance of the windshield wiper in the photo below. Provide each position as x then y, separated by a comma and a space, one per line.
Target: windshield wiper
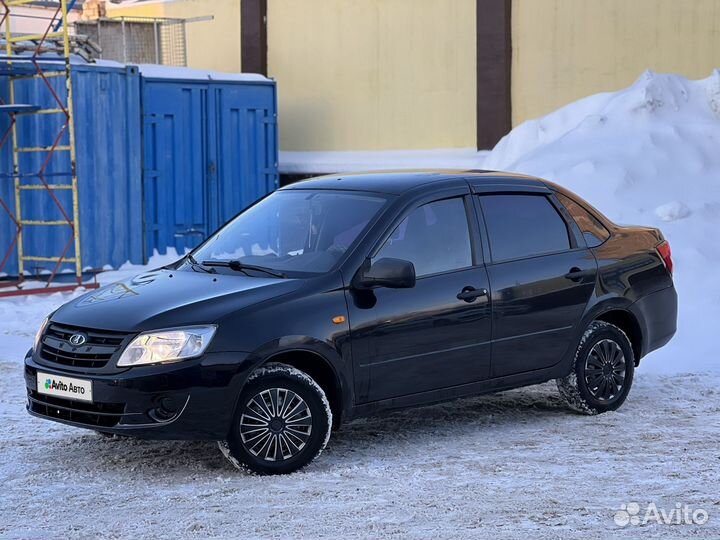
242, 267
197, 266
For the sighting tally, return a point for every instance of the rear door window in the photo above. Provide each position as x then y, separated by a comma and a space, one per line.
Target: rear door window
593, 231
522, 226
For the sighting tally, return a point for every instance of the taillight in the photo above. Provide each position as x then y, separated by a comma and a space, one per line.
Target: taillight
663, 250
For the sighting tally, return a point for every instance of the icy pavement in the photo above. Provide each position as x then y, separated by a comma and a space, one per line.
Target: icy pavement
510, 465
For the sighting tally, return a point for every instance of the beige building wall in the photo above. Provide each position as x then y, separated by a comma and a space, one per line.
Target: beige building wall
567, 49
373, 74
212, 45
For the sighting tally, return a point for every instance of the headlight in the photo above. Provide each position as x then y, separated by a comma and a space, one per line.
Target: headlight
40, 333
167, 345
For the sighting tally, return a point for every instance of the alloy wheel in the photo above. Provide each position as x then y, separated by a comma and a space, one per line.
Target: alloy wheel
605, 369
276, 424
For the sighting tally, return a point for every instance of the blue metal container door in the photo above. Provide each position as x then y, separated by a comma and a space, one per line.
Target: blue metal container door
107, 130
210, 150
174, 171
244, 168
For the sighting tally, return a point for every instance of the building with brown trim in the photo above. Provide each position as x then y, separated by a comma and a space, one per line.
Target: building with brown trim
428, 74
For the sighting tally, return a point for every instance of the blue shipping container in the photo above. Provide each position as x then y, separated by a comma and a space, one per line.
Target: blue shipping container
107, 127
163, 158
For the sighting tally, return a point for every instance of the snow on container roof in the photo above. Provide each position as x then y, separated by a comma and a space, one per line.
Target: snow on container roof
151, 71
157, 71
125, 3
154, 71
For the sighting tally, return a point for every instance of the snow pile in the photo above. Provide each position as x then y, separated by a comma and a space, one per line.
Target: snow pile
650, 155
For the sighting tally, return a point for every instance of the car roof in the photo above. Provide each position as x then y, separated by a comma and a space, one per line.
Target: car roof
397, 182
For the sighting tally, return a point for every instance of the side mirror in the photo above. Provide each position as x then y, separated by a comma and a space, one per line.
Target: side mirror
386, 272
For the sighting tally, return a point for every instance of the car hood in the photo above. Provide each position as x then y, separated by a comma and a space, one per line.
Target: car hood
169, 298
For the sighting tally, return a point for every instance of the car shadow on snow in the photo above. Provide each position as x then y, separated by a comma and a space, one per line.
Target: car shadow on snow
475, 417
358, 441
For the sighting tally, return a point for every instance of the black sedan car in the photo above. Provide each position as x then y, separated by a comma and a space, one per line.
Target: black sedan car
345, 295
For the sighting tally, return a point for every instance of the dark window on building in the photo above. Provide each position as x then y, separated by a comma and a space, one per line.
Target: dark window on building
523, 226
434, 237
593, 231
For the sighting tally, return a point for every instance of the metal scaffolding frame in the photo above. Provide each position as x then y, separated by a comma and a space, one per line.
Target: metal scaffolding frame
23, 59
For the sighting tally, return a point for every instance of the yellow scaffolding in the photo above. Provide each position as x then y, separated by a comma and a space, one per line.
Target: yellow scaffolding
24, 58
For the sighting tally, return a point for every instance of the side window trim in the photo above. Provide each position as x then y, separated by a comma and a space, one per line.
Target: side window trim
477, 242
483, 229
574, 233
465, 196
575, 238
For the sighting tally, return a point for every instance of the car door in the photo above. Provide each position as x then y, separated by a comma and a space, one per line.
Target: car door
541, 276
407, 341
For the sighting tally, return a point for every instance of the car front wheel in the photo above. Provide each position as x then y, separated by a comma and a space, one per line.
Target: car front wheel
283, 422
602, 372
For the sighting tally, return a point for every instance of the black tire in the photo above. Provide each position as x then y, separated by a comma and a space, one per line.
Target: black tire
603, 370
283, 422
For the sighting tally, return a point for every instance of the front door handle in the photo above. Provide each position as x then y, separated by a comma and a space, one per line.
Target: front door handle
469, 294
575, 274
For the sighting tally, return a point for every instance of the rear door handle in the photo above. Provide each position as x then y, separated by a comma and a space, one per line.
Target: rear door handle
575, 274
469, 294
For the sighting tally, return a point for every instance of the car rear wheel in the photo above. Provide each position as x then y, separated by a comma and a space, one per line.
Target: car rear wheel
602, 372
283, 422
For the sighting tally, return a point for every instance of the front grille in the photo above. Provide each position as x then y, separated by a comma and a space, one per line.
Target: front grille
99, 348
92, 414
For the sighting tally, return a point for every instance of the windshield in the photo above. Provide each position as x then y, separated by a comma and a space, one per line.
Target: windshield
293, 231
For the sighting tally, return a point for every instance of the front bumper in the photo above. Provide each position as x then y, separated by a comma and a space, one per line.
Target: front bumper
194, 399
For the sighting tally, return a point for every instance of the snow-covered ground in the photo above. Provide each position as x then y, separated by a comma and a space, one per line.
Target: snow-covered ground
516, 465
512, 465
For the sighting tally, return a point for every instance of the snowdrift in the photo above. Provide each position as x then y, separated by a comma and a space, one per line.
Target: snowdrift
650, 155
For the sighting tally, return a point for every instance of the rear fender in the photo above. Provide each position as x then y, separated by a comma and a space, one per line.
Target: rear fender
594, 310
